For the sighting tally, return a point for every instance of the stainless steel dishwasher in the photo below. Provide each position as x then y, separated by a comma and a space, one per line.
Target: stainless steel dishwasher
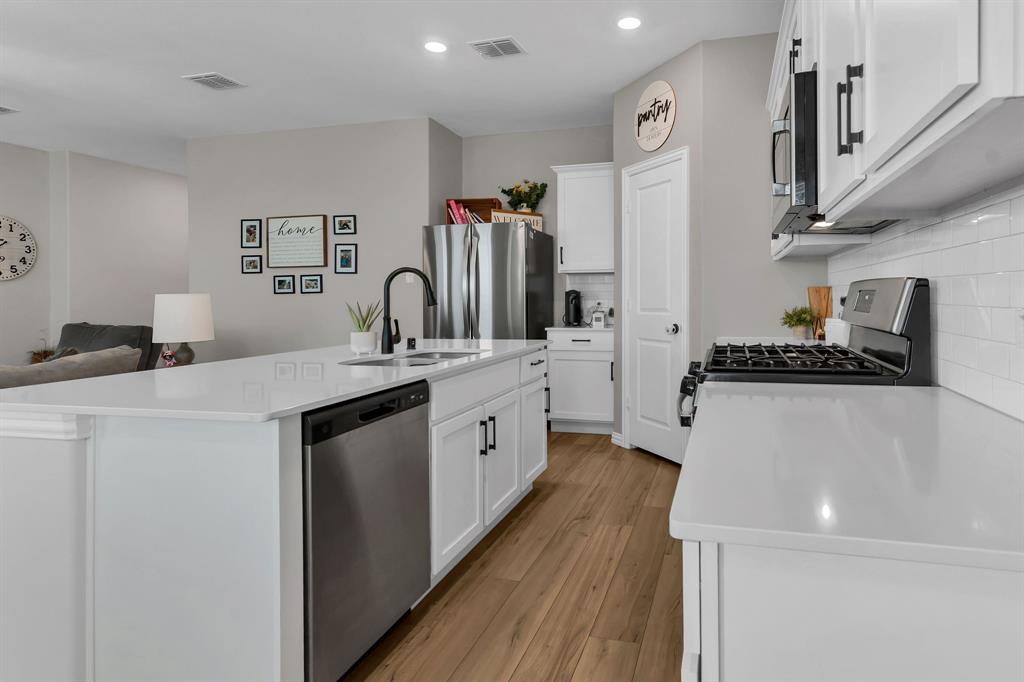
367, 522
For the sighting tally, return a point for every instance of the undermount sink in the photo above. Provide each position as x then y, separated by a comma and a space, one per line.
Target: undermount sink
414, 359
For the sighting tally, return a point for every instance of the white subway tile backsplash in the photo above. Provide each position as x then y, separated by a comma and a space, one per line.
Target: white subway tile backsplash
974, 259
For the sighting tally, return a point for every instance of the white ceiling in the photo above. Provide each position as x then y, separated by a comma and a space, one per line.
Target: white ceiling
103, 77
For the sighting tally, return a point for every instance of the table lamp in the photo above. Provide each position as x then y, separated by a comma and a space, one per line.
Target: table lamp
182, 318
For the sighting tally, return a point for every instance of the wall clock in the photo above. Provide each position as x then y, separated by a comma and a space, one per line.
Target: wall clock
18, 249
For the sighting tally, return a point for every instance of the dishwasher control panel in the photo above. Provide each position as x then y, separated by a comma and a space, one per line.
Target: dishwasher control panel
327, 422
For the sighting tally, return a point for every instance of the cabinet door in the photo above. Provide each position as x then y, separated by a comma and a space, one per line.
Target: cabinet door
581, 386
502, 476
838, 48
534, 432
919, 58
456, 477
585, 220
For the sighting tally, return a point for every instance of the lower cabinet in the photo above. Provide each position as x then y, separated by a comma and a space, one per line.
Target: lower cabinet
481, 461
581, 386
502, 481
534, 431
456, 496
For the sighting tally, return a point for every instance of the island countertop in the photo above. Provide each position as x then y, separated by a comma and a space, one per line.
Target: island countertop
255, 389
913, 473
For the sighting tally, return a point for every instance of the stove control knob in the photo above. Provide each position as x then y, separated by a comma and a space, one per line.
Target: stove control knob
694, 370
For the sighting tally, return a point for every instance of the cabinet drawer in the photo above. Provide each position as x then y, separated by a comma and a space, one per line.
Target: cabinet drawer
450, 396
532, 366
581, 339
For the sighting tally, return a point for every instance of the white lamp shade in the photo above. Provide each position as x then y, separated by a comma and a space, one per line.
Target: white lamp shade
182, 318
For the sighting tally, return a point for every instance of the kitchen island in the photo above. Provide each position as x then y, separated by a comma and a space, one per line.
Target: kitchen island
152, 523
850, 532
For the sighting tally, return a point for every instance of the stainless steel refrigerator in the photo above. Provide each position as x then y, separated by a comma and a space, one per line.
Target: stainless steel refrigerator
492, 280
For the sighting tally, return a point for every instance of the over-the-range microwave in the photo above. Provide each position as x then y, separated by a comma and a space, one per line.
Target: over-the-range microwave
795, 152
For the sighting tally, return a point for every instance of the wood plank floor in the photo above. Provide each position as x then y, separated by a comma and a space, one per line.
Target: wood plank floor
580, 582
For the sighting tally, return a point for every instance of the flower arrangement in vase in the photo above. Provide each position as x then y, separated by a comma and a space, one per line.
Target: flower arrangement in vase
800, 320
525, 195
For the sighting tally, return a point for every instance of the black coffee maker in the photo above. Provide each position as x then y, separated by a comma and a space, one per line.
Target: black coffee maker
573, 309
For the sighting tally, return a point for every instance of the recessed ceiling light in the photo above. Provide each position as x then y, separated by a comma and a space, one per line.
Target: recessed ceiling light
434, 46
629, 23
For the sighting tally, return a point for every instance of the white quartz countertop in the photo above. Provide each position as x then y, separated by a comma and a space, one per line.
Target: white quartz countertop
580, 329
921, 474
252, 389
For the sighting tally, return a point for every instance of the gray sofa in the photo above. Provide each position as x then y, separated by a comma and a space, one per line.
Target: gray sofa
86, 338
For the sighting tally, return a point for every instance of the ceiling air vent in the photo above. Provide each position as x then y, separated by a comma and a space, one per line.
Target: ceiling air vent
7, 110
497, 47
217, 81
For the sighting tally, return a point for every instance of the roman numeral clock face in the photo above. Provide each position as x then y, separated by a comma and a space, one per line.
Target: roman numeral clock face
17, 249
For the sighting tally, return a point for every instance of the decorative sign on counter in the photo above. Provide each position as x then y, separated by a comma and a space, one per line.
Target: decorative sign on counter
297, 241
655, 116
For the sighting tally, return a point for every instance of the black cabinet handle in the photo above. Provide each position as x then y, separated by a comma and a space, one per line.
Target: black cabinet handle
547, 394
793, 53
537, 362
494, 433
581, 340
611, 368
846, 88
483, 450
561, 254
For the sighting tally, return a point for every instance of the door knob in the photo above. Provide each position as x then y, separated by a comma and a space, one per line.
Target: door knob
672, 329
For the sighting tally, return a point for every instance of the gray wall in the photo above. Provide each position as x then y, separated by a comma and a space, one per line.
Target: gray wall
377, 171
493, 161
128, 234
25, 302
445, 181
735, 287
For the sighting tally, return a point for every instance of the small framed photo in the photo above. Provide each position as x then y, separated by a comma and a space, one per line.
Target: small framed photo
311, 284
345, 259
344, 224
252, 265
284, 284
252, 233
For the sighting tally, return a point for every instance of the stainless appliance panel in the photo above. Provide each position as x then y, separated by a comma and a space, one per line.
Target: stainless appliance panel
500, 274
367, 520
446, 262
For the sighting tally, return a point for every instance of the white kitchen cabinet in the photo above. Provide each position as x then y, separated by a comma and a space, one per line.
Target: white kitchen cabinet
456, 493
502, 463
585, 195
917, 63
581, 379
839, 112
534, 432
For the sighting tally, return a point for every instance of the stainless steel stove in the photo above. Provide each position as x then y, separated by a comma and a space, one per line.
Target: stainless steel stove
889, 344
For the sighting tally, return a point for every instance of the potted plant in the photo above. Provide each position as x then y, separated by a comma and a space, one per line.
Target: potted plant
525, 195
800, 320
363, 339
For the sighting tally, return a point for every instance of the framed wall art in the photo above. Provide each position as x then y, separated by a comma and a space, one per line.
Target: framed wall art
344, 224
252, 233
284, 284
346, 259
311, 284
297, 241
252, 265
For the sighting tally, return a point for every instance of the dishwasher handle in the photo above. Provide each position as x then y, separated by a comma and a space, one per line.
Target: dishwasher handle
334, 420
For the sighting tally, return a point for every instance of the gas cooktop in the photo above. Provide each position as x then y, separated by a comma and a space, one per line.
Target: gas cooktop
784, 358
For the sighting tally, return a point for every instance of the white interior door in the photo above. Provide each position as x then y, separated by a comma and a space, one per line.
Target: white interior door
654, 338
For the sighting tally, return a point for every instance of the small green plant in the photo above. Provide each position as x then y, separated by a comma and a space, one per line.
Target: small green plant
526, 192
363, 320
798, 317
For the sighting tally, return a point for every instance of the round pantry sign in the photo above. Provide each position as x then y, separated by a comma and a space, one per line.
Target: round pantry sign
655, 115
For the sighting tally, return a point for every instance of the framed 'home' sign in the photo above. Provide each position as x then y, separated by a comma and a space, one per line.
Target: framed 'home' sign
298, 241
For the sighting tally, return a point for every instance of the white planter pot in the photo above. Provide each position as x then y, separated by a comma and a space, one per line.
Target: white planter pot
363, 342
801, 333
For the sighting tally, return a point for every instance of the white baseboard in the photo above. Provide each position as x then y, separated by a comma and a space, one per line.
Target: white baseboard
571, 426
618, 440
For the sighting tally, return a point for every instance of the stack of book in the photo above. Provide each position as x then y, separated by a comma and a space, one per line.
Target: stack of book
459, 215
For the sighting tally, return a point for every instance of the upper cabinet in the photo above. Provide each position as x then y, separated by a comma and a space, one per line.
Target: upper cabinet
586, 196
919, 101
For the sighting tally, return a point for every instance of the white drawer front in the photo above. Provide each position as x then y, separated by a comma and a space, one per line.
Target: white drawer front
581, 339
533, 366
451, 396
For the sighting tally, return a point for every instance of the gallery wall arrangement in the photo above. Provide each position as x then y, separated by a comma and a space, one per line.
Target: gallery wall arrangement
298, 241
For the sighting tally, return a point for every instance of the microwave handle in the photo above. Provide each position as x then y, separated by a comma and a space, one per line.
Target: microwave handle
780, 127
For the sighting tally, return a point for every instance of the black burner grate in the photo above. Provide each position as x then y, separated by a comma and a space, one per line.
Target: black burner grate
788, 359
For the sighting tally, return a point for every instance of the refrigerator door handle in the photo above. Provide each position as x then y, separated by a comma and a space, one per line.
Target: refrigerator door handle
473, 274
465, 284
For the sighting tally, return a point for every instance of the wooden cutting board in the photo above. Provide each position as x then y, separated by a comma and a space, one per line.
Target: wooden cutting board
820, 300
